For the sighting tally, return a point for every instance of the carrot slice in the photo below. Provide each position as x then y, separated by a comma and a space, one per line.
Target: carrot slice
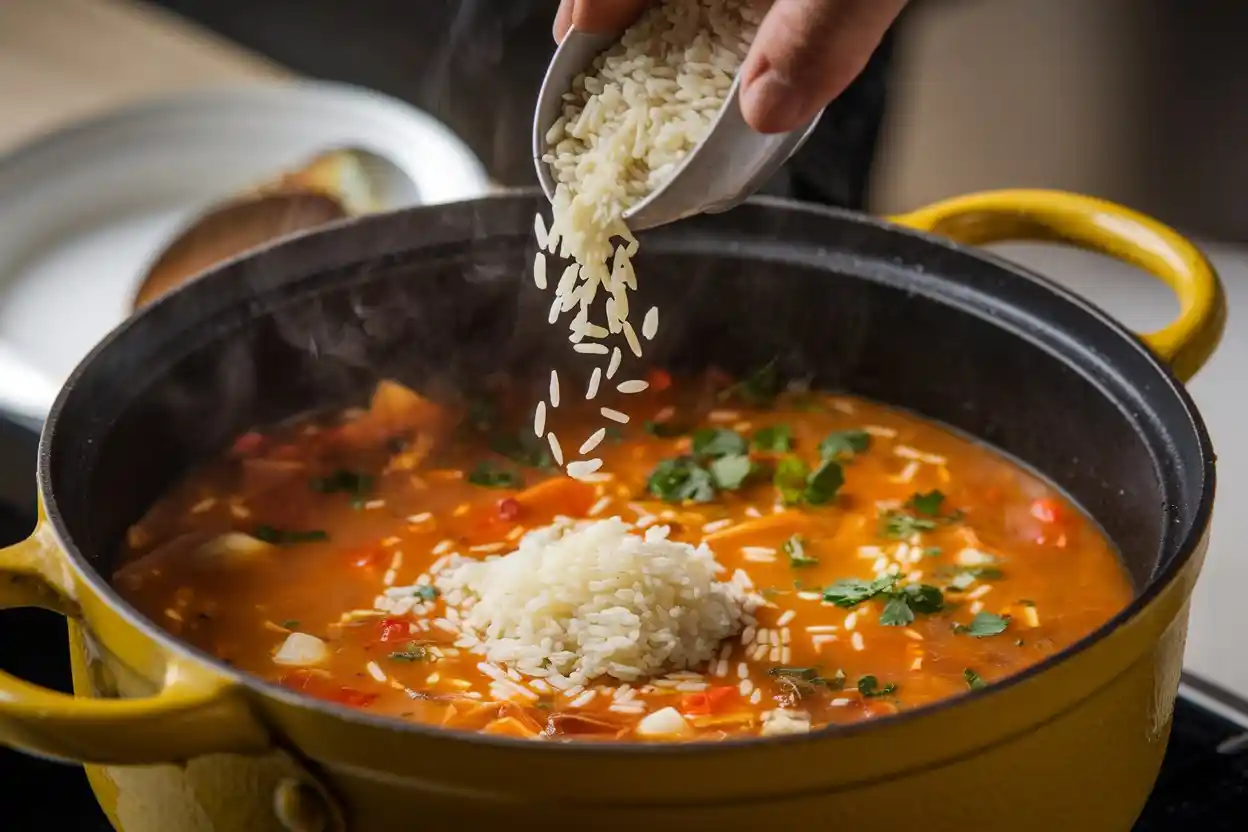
558, 495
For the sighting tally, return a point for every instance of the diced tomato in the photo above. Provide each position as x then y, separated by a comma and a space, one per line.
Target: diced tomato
707, 702
248, 444
321, 686
509, 509
1046, 510
392, 629
659, 379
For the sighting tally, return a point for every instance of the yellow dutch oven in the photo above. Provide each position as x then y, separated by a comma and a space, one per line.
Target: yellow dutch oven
895, 311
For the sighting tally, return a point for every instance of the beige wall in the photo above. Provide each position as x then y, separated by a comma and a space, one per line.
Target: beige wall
1142, 101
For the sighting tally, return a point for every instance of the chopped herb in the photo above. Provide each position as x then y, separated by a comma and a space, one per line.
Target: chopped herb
869, 687
984, 624
962, 578
731, 472
798, 484
926, 504
795, 548
291, 624
679, 479
345, 482
822, 485
774, 439
924, 598
850, 592
790, 479
844, 444
897, 612
901, 526
717, 442
523, 448
921, 514
803, 681
759, 389
932, 552
973, 680
489, 475
663, 430
288, 537
414, 652
425, 592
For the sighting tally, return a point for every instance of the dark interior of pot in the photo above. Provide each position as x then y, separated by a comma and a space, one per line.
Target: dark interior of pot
440, 298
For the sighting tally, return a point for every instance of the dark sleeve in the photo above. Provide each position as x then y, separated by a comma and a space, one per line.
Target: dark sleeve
834, 166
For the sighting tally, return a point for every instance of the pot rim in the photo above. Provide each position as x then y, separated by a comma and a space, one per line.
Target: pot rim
1156, 584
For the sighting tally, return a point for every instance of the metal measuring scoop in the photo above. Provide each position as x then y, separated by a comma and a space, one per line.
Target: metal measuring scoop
719, 173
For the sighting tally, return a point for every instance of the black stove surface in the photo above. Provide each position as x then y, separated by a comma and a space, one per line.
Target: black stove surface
1203, 784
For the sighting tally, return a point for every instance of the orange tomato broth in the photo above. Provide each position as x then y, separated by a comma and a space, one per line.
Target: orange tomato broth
1021, 573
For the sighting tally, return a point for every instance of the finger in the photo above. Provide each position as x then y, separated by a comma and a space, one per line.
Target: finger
805, 54
599, 16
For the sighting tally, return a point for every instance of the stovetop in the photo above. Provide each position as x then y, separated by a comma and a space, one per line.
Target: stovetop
1203, 783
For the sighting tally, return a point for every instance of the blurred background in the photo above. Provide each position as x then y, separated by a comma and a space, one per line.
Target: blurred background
1137, 101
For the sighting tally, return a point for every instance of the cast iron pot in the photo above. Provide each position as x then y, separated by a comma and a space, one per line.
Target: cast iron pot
178, 740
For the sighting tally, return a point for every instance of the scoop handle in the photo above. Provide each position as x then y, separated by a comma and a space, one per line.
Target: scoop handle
1106, 228
193, 713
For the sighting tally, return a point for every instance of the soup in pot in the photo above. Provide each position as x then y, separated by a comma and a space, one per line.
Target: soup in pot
744, 561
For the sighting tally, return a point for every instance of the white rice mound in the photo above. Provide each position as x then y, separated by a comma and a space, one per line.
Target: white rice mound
627, 124
580, 600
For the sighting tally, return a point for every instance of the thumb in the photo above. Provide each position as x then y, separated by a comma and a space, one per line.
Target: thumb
805, 54
599, 16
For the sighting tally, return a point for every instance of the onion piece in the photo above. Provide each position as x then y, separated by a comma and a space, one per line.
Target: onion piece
664, 723
301, 650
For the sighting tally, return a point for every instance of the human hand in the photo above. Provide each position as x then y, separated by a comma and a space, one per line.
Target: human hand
805, 54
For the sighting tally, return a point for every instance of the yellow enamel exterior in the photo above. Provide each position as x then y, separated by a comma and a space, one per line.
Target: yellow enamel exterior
1106, 228
175, 743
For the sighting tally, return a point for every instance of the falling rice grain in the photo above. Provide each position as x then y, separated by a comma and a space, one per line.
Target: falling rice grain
614, 364
595, 379
539, 420
583, 468
594, 440
614, 415
554, 388
631, 338
539, 270
555, 449
591, 348
650, 324
539, 232
635, 385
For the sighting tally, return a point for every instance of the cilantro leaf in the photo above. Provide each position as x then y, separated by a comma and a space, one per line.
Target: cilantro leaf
869, 687
803, 681
795, 548
681, 478
926, 504
850, 592
790, 479
775, 439
844, 444
717, 442
983, 625
973, 679
731, 472
897, 612
414, 652
898, 525
923, 598
822, 485
489, 475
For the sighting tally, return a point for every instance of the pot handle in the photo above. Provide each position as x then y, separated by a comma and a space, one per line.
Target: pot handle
193, 714
1104, 227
